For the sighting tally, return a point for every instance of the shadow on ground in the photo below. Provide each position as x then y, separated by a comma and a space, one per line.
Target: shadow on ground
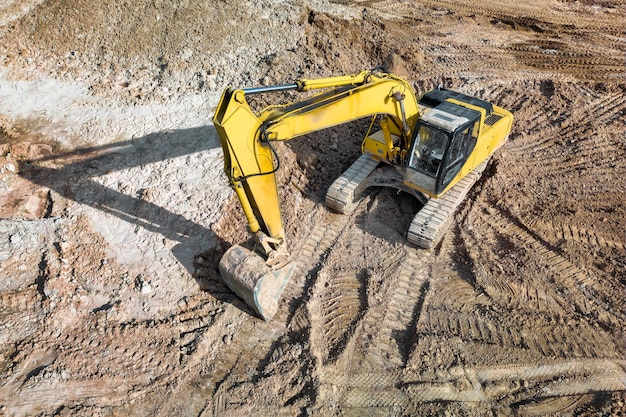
72, 175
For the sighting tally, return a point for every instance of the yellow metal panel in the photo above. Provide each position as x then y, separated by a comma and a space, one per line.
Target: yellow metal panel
249, 164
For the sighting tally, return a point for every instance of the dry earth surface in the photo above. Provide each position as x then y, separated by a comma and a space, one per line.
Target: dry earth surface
114, 212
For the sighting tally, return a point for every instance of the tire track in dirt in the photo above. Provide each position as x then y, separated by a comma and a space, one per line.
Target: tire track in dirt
543, 18
587, 159
453, 279
197, 316
26, 313
100, 363
507, 386
348, 270
397, 388
396, 283
541, 52
250, 345
341, 310
445, 316
213, 369
528, 294
315, 250
339, 300
396, 328
597, 110
549, 336
571, 232
452, 60
540, 55
588, 294
246, 345
379, 293
485, 318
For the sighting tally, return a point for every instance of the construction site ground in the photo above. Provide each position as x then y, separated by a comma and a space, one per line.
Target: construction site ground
114, 213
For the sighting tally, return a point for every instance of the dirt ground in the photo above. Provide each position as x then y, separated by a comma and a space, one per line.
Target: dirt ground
114, 212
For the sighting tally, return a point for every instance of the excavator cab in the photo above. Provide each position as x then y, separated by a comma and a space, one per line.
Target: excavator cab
443, 141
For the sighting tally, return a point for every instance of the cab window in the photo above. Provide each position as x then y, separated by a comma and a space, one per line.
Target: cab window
429, 149
461, 147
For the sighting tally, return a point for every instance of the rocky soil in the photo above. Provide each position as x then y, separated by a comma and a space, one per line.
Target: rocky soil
114, 212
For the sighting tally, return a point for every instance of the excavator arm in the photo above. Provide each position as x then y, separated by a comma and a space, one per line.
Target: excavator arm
249, 159
250, 163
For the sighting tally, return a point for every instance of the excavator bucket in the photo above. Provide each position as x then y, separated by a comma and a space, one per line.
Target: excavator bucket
250, 278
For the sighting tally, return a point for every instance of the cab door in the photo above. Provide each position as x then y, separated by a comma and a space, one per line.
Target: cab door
461, 147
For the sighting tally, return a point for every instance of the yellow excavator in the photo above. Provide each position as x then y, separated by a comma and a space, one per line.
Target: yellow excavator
434, 148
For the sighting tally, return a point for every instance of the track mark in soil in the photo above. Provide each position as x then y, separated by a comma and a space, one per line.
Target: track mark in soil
27, 299
571, 232
343, 300
550, 405
547, 56
589, 116
198, 315
404, 299
542, 20
587, 292
108, 364
312, 254
385, 332
338, 297
523, 384
551, 337
248, 344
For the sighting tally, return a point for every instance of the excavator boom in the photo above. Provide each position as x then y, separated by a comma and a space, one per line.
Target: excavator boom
250, 162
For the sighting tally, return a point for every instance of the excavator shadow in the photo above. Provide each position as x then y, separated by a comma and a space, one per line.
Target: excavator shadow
155, 172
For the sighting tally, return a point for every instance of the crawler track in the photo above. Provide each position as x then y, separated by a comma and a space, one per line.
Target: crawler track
433, 219
343, 194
